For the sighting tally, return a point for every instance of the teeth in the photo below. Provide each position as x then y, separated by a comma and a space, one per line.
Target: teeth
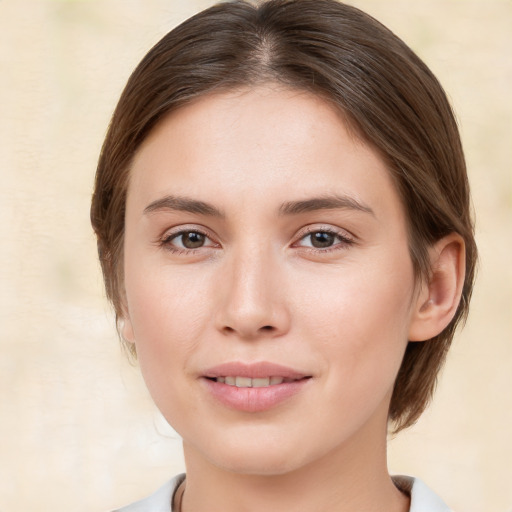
243, 382
260, 383
247, 382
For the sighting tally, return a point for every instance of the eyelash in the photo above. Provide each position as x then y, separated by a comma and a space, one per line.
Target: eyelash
342, 240
166, 241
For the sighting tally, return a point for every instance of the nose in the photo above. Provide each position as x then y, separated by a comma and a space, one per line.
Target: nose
252, 298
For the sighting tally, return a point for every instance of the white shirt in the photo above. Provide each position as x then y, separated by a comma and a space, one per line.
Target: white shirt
423, 499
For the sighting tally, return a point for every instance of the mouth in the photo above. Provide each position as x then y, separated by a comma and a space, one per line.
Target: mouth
257, 382
254, 387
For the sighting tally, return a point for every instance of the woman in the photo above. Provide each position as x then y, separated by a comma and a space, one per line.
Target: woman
283, 221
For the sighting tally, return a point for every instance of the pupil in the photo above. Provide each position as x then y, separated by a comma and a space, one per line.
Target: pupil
321, 239
192, 240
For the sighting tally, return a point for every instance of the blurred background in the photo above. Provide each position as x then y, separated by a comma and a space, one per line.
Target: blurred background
77, 428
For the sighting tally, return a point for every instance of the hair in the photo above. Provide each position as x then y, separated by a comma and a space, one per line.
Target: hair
387, 95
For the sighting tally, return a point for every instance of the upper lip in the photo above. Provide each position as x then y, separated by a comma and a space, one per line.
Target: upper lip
258, 370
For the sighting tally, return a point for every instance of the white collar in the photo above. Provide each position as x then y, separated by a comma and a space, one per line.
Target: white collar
423, 499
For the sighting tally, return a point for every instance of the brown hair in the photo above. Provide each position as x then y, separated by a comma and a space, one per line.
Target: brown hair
386, 93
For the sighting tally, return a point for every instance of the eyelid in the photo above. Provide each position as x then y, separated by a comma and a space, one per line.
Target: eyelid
171, 233
345, 236
313, 228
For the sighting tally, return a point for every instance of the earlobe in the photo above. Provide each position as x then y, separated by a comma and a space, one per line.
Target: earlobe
439, 298
125, 329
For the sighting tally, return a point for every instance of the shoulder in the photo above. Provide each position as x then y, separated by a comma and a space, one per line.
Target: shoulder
159, 501
423, 499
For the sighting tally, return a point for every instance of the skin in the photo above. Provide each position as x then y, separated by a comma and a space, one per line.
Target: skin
258, 290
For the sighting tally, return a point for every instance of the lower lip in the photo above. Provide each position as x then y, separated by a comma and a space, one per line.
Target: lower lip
254, 399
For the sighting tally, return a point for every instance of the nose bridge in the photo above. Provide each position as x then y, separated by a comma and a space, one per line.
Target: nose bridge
252, 304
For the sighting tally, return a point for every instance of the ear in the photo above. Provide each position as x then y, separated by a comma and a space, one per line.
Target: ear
125, 328
439, 297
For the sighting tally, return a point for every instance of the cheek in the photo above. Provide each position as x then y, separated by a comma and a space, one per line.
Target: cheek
167, 315
167, 318
360, 319
164, 303
355, 301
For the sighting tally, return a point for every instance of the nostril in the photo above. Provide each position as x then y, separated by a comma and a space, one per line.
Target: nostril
267, 328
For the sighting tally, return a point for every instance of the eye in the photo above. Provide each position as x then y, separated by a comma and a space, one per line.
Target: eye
187, 240
323, 239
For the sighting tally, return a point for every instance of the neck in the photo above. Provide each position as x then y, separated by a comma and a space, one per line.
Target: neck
354, 477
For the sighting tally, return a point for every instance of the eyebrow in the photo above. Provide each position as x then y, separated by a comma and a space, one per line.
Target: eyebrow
330, 202
183, 204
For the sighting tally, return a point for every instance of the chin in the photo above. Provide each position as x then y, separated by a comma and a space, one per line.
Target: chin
245, 453
259, 455
263, 465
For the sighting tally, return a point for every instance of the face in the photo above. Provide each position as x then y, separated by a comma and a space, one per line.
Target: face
269, 287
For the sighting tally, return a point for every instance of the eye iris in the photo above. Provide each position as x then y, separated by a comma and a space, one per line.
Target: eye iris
193, 240
322, 239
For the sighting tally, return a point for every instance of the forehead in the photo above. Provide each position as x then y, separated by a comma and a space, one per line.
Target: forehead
256, 143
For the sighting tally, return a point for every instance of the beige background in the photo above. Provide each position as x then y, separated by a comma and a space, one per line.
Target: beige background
77, 430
